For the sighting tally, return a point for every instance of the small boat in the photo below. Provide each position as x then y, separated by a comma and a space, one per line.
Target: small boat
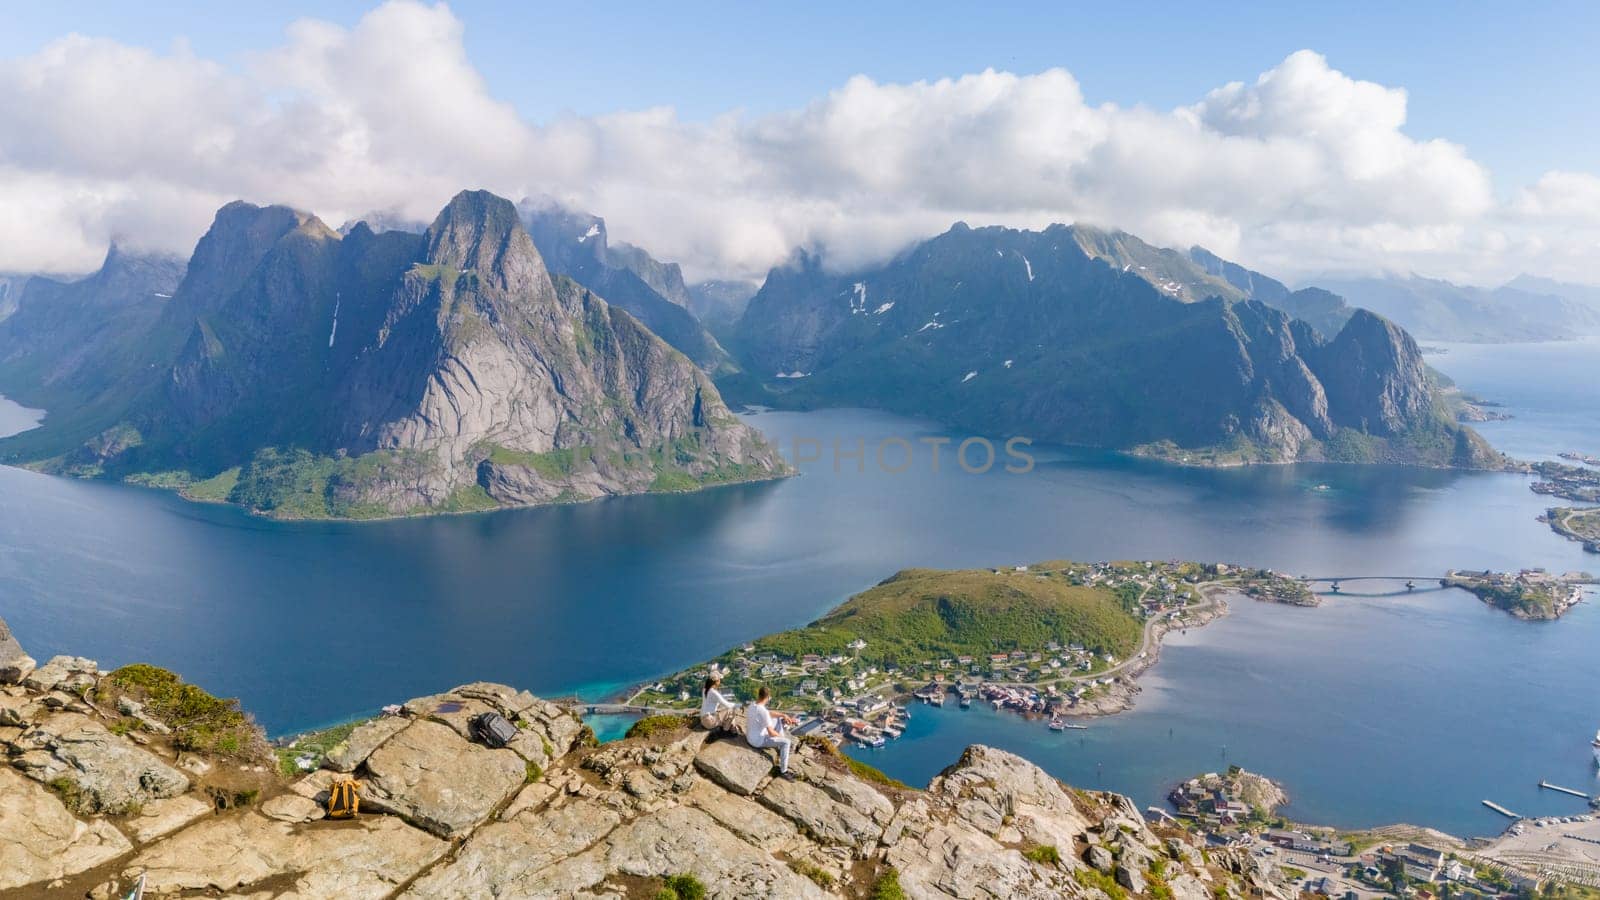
1058, 724
1075, 727
966, 702
937, 699
1596, 745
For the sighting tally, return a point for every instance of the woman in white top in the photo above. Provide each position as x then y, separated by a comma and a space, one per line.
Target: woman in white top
717, 713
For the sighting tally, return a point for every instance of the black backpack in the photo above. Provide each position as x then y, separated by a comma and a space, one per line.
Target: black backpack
493, 729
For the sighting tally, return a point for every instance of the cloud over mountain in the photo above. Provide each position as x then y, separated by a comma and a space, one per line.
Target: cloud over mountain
1302, 169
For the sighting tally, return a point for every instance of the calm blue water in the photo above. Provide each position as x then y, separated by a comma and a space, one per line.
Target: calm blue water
1549, 388
1411, 708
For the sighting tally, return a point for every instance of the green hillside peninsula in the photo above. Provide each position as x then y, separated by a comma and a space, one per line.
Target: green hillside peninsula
1056, 638
302, 373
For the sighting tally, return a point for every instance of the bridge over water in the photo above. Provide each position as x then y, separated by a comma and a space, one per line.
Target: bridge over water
1371, 578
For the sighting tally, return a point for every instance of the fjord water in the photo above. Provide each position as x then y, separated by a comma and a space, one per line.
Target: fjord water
1370, 709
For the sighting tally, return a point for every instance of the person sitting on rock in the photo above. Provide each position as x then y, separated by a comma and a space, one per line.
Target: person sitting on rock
717, 712
763, 730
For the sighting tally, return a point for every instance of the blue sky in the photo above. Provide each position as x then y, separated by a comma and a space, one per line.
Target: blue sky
1448, 139
1514, 82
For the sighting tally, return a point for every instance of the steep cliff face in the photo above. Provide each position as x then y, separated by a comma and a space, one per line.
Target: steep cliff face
10, 291
63, 333
1087, 337
1375, 375
576, 245
393, 373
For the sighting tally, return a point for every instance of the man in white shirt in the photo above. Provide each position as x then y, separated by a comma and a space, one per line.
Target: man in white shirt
763, 729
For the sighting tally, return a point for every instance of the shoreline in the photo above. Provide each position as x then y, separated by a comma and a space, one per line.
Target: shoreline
181, 492
1120, 698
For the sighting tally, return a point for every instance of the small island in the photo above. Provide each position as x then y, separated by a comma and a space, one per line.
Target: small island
1580, 484
1057, 640
1579, 524
1528, 594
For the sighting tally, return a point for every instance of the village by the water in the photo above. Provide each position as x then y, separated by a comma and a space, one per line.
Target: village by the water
847, 699
1064, 686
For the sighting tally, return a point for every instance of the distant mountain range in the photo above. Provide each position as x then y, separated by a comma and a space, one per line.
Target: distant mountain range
1527, 309
1323, 310
1077, 335
302, 373
485, 360
69, 339
720, 302
575, 244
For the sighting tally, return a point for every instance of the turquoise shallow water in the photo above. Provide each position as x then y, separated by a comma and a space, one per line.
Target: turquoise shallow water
1371, 710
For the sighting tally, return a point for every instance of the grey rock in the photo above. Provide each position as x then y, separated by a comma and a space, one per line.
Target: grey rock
503, 859
735, 765
160, 818
1131, 878
949, 861
681, 839
438, 781
367, 737
110, 774
19, 710
292, 808
15, 664
745, 818
1099, 858
243, 852
845, 788
1005, 796
63, 673
821, 816
40, 841
133, 708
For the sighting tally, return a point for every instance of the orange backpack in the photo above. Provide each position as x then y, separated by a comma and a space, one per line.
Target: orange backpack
344, 801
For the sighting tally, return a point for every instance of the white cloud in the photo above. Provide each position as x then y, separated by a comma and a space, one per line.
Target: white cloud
1563, 196
1303, 169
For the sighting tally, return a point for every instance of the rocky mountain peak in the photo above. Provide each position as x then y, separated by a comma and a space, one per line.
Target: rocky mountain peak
479, 232
1376, 376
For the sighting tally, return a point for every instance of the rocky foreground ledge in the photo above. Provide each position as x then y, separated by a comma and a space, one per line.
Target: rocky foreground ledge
96, 795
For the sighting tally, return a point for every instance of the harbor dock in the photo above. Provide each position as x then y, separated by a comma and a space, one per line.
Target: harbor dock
1565, 790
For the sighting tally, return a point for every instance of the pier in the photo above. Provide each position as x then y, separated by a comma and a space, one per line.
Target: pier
1556, 787
1501, 809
